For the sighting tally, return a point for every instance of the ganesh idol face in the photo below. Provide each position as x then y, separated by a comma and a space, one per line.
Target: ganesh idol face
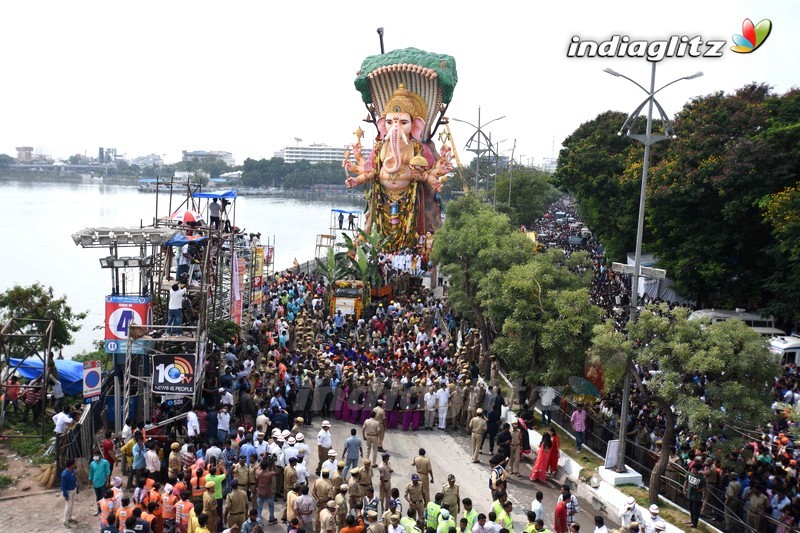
399, 121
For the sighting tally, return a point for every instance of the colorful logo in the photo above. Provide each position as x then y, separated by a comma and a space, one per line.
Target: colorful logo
752, 36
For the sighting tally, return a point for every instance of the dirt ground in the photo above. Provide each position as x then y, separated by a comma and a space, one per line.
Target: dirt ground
28, 507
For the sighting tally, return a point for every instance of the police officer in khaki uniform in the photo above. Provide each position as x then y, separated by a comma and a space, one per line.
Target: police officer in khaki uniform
385, 480
452, 497
425, 471
415, 497
372, 525
174, 462
337, 478
477, 427
365, 477
327, 520
322, 492
380, 416
355, 492
370, 432
516, 448
235, 505
341, 506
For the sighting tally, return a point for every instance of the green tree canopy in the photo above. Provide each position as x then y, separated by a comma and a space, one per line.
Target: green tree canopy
704, 212
715, 376
531, 194
474, 240
40, 303
542, 308
707, 195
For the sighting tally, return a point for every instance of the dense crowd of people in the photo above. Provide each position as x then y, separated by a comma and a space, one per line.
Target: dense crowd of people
240, 460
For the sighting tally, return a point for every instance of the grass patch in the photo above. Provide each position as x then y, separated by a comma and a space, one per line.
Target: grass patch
671, 514
6, 481
3, 466
30, 447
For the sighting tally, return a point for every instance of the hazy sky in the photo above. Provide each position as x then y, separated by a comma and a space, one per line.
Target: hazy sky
249, 77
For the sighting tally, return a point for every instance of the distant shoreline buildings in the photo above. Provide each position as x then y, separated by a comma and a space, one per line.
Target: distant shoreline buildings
315, 153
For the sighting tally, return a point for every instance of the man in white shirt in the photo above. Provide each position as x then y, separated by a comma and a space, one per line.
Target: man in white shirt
536, 505
430, 407
152, 462
548, 395
223, 424
324, 445
600, 525
225, 397
631, 513
653, 521
192, 425
442, 402
58, 393
62, 420
175, 311
301, 470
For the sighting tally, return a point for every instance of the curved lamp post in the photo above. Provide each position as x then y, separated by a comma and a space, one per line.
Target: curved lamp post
647, 139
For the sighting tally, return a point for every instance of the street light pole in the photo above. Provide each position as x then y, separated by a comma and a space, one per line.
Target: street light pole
647, 139
478, 162
511, 172
479, 133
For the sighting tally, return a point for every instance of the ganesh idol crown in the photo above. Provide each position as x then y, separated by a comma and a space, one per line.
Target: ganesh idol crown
406, 93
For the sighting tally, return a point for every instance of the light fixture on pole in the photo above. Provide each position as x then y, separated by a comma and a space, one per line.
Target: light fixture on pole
647, 139
477, 137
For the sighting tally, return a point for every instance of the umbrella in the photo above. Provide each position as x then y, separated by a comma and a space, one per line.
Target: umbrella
186, 216
583, 387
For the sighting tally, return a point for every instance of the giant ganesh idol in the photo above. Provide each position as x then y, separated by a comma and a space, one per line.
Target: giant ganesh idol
405, 91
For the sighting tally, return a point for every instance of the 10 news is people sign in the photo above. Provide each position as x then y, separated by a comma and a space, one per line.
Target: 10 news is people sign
174, 374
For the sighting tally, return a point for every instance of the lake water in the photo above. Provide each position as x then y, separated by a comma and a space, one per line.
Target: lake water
40, 217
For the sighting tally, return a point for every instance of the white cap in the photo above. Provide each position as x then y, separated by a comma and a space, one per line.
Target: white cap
285, 433
630, 502
221, 390
326, 424
291, 440
300, 437
654, 509
276, 432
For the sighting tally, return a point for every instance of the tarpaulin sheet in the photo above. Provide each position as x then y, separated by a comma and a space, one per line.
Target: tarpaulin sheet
70, 372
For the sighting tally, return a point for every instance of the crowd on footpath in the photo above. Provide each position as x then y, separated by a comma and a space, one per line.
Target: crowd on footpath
753, 488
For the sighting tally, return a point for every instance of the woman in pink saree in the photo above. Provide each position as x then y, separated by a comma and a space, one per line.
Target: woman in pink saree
539, 472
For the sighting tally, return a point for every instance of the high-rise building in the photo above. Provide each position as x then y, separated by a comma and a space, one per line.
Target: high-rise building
197, 155
315, 153
549, 164
24, 154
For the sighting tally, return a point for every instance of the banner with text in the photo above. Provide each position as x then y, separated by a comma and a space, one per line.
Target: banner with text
122, 312
174, 374
258, 274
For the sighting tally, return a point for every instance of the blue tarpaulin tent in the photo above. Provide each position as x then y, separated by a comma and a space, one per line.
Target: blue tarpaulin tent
229, 194
70, 372
179, 239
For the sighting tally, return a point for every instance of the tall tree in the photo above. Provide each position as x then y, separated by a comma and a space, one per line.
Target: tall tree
703, 210
473, 240
709, 376
542, 308
40, 303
